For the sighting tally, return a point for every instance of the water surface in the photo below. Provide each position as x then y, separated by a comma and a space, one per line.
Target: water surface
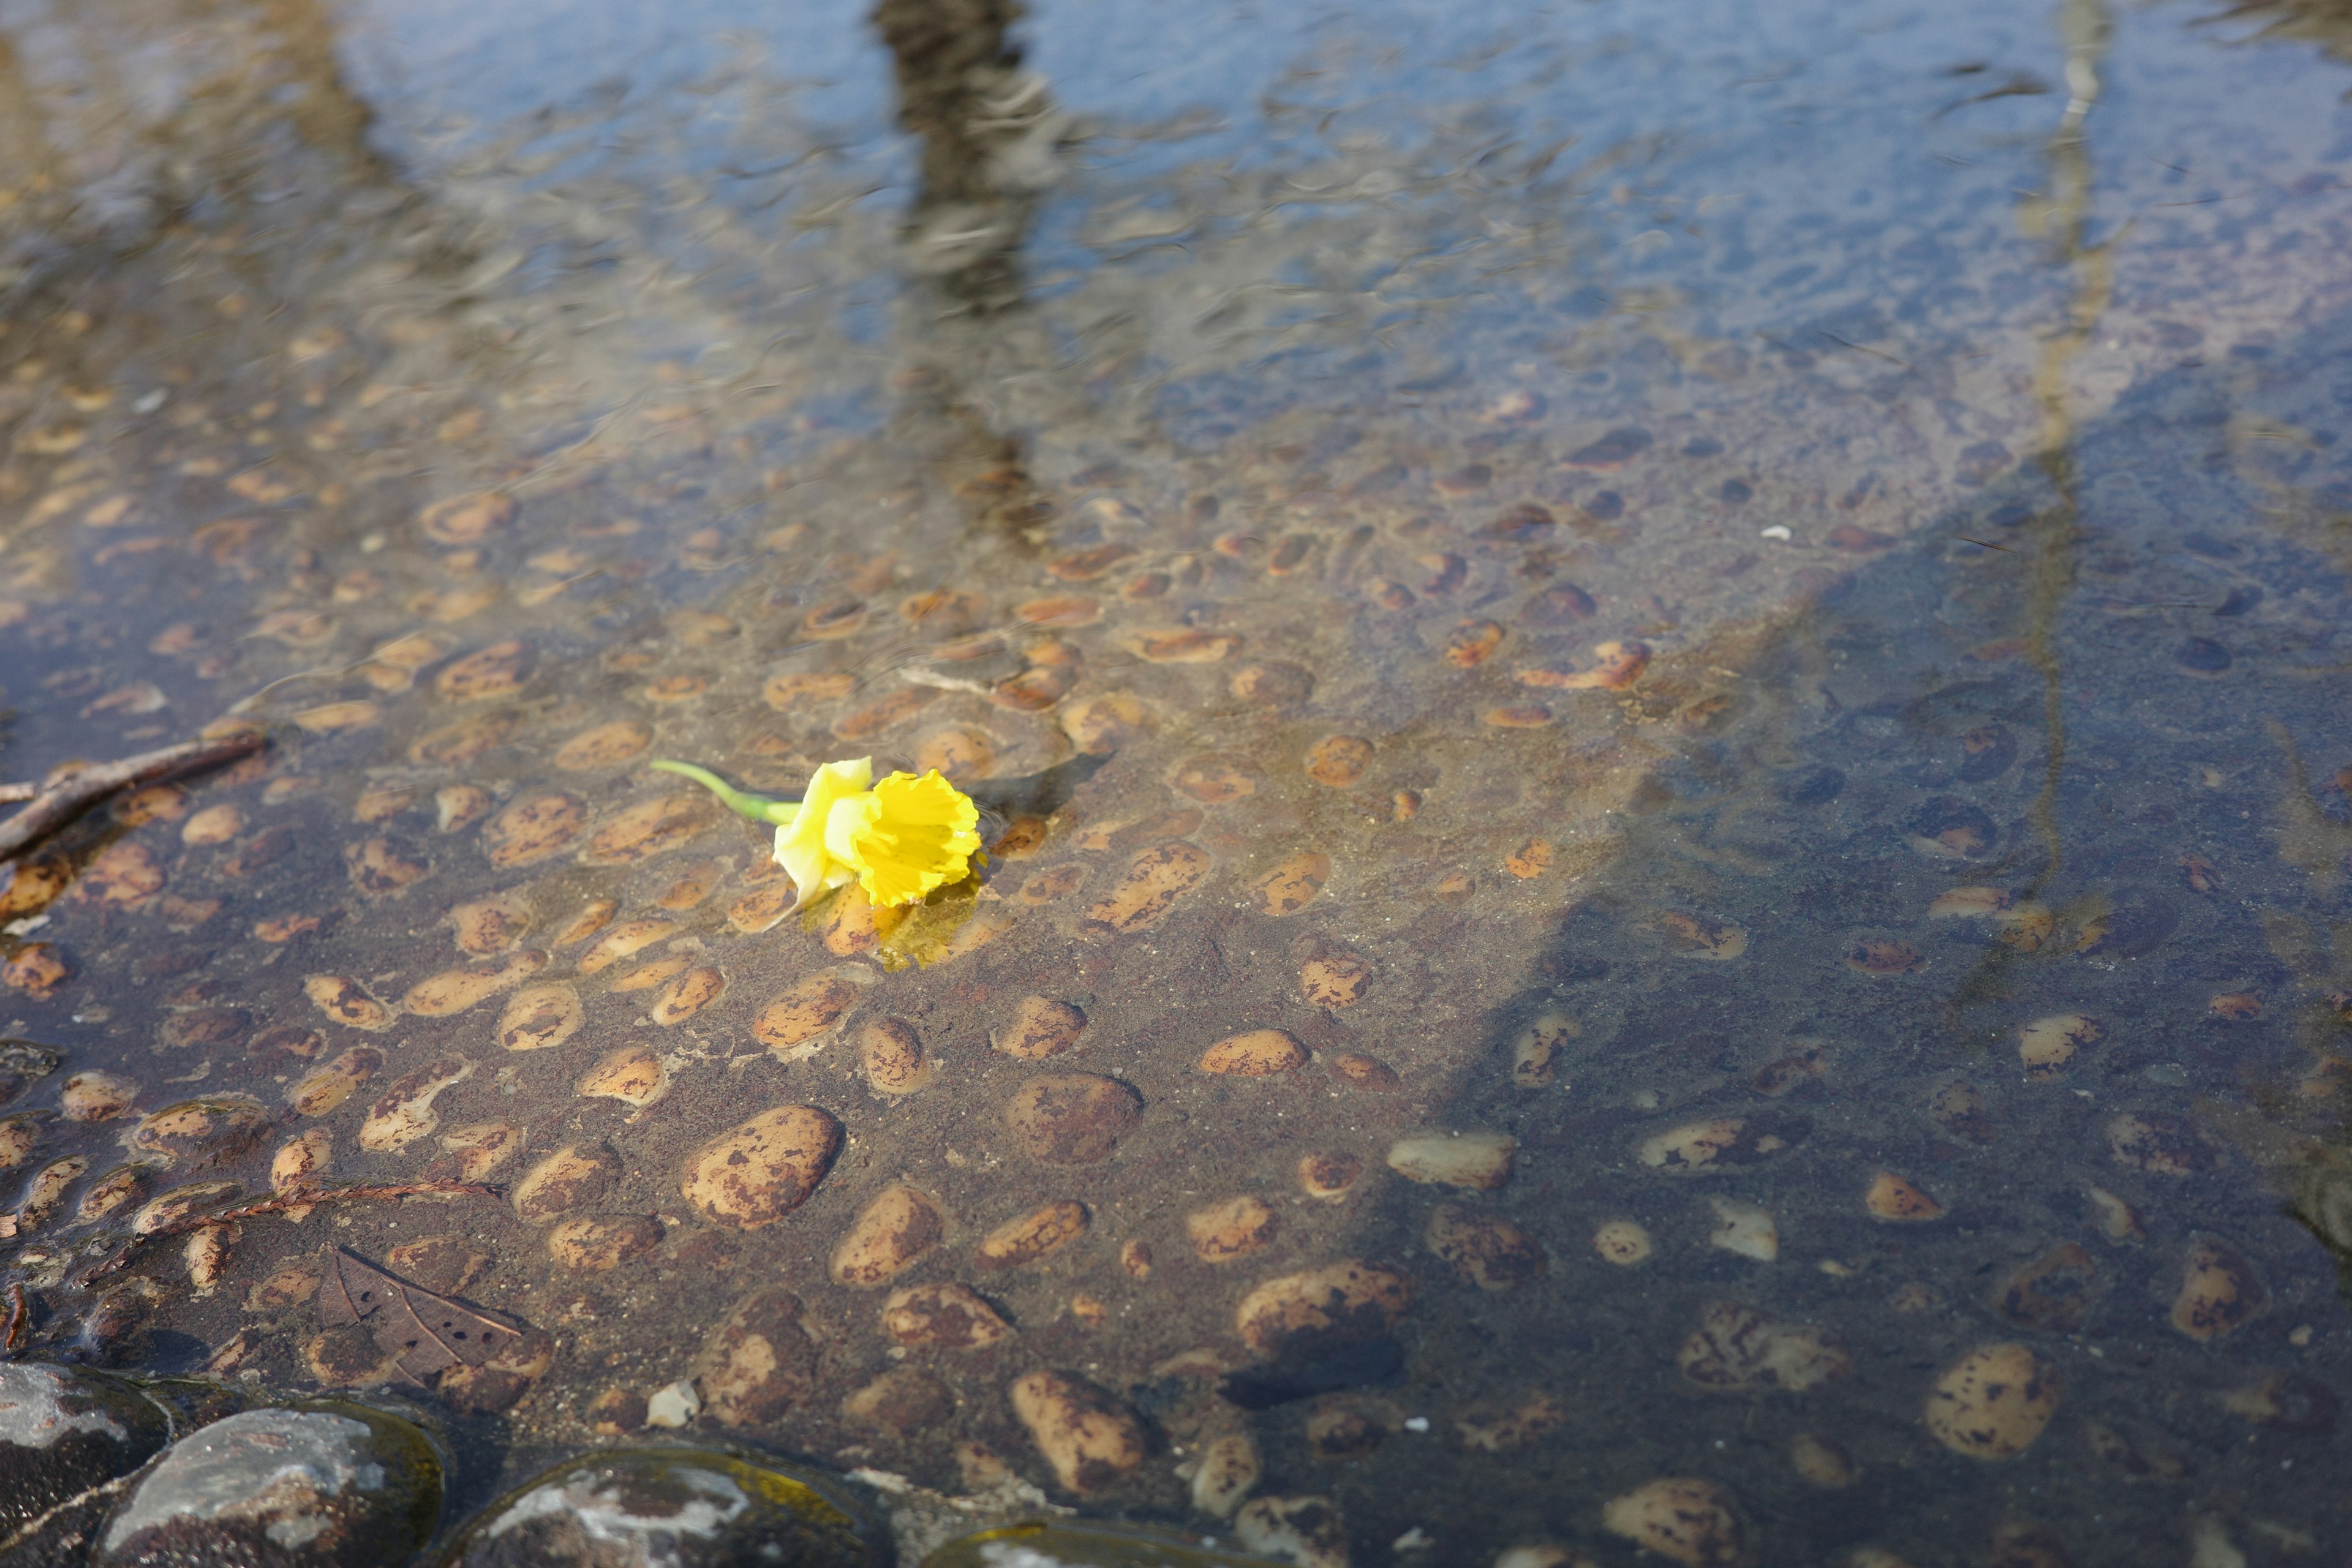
1667, 584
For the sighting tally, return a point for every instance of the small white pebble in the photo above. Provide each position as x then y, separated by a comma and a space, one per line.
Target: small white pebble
1413, 1540
1778, 530
1416, 1423
676, 1405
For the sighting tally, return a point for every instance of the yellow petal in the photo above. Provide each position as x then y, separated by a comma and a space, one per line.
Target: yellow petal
912, 835
802, 847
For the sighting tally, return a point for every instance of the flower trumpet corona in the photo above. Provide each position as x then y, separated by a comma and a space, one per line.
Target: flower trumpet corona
898, 836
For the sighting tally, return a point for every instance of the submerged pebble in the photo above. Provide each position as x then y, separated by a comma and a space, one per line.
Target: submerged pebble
758, 1363
1040, 1028
950, 1316
1258, 1053
2219, 1292
2047, 1044
1682, 1518
96, 1096
1329, 1176
1481, 1161
1993, 1403
1233, 1228
1225, 1472
892, 1233
1089, 1438
1485, 1250
1307, 1532
1034, 1236
762, 1169
633, 1075
1537, 1048
1736, 1347
538, 1017
892, 1057
1071, 1118
1898, 1200
1339, 1303
1622, 1242
1744, 1230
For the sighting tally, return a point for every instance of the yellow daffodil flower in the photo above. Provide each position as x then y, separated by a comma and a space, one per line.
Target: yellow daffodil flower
898, 836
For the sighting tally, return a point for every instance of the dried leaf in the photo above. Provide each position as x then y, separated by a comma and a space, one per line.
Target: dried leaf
427, 1333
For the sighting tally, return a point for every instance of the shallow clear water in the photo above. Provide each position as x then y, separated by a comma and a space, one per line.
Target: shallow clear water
1749, 601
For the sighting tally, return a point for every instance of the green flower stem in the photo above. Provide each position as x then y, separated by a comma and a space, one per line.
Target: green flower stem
758, 807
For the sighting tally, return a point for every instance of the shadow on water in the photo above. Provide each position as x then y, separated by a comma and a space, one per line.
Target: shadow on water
1718, 948
1862, 818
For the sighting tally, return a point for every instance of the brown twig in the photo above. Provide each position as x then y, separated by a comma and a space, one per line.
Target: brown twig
17, 792
302, 1196
20, 1320
58, 804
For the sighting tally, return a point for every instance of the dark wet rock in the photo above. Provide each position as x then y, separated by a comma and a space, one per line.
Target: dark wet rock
63, 1431
1816, 785
666, 1508
326, 1485
1735, 491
